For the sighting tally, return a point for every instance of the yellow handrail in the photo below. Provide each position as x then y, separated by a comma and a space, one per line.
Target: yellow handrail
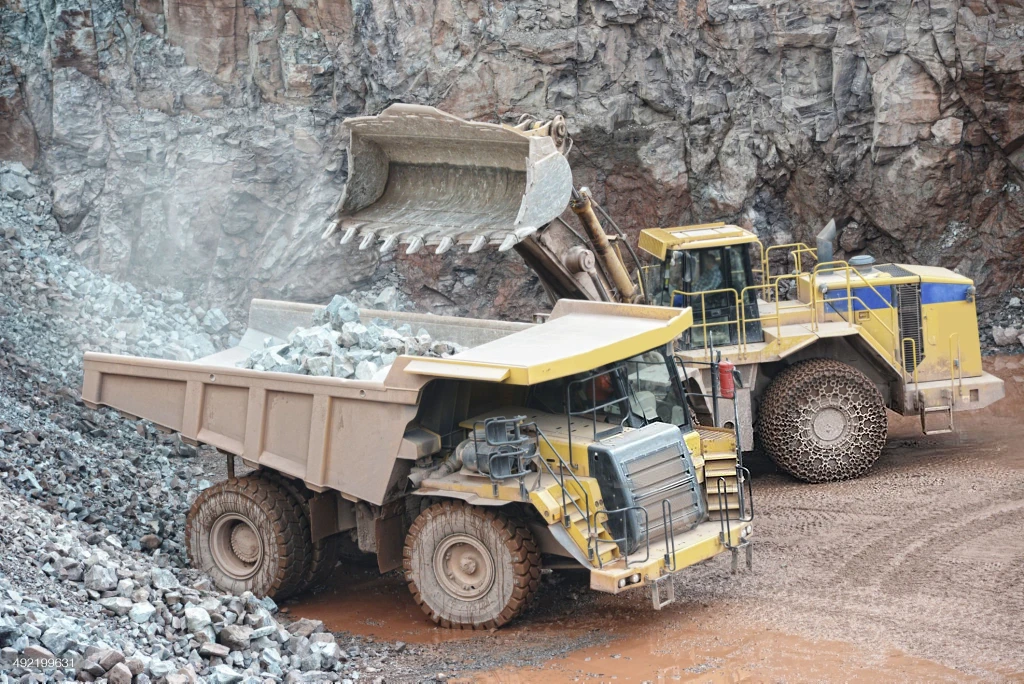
771, 285
800, 248
957, 367
913, 350
704, 319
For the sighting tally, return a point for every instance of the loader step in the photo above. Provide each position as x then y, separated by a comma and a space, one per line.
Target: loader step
720, 469
720, 456
945, 424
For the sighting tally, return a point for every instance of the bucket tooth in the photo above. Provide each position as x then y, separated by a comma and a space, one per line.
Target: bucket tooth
509, 242
389, 244
446, 244
478, 243
415, 245
350, 233
368, 239
331, 229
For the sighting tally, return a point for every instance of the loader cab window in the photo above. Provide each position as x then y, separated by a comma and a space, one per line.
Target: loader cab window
714, 271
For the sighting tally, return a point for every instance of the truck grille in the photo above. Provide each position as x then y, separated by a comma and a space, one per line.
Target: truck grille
644, 468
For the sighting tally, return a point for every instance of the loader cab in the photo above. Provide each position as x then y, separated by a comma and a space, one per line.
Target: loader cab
709, 269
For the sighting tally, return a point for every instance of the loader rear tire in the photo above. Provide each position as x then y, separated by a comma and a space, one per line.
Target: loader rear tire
250, 534
821, 420
469, 567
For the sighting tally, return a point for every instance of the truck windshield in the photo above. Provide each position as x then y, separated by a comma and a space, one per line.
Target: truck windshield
633, 392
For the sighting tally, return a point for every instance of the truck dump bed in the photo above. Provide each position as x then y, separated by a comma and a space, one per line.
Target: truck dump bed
292, 423
321, 429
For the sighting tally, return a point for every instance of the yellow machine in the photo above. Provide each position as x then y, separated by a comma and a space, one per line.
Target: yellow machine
567, 444
820, 367
822, 348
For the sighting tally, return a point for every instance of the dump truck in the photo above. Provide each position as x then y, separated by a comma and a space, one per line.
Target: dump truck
823, 347
565, 444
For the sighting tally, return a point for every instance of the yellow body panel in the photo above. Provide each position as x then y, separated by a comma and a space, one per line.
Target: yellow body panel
949, 328
658, 241
579, 336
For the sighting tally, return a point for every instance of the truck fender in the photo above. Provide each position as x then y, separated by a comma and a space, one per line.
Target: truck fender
468, 497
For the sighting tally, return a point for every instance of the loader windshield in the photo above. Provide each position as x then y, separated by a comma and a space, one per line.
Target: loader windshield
712, 281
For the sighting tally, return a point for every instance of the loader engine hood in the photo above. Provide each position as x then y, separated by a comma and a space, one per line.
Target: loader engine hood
420, 177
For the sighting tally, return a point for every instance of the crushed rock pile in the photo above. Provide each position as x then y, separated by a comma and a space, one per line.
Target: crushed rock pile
339, 345
58, 308
92, 506
75, 596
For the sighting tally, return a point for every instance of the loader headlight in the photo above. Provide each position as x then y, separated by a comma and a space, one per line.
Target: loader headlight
622, 582
635, 579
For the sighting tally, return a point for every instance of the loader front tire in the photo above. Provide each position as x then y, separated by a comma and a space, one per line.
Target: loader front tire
821, 420
250, 534
470, 567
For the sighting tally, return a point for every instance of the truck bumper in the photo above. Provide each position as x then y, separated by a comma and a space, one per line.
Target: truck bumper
968, 394
667, 557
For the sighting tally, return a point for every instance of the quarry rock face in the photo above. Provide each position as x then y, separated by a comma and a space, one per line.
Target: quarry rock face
196, 144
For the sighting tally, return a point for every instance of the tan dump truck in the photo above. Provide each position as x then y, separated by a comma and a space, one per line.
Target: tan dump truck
563, 444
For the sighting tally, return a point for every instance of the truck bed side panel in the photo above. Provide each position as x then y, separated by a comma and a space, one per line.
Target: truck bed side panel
316, 429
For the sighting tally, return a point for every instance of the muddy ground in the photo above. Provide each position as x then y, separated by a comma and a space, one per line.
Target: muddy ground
914, 572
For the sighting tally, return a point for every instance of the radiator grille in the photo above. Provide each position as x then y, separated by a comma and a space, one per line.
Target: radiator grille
644, 468
908, 303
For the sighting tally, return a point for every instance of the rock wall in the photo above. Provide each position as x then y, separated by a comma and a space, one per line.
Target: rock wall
196, 143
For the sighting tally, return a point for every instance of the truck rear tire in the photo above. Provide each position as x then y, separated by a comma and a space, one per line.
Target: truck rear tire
325, 552
821, 420
469, 567
250, 534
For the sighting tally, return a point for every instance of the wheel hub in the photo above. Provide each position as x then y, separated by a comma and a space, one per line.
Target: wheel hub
245, 543
829, 424
464, 567
236, 546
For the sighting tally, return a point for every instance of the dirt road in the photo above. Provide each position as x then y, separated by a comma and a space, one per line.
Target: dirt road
914, 572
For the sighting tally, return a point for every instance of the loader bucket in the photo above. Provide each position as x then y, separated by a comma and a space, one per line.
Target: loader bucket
420, 177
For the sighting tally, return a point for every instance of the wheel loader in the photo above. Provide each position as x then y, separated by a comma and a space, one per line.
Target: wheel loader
823, 347
562, 445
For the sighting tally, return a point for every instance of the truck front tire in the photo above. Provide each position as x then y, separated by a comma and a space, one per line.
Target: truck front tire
250, 534
821, 420
470, 567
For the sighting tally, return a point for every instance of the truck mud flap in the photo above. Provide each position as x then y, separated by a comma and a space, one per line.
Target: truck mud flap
390, 533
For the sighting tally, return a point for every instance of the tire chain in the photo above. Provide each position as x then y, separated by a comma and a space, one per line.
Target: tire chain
788, 408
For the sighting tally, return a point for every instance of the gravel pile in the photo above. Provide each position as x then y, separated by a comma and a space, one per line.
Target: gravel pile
339, 345
1002, 326
72, 592
92, 506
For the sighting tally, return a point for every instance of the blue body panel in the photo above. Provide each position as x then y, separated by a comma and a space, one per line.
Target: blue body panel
939, 293
931, 293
